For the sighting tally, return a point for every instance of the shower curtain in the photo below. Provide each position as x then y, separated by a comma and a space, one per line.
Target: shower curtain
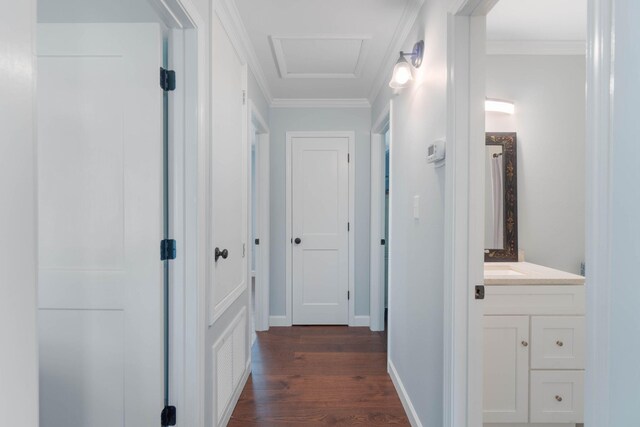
497, 188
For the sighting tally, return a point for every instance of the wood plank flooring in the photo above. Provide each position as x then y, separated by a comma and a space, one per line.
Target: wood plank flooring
319, 376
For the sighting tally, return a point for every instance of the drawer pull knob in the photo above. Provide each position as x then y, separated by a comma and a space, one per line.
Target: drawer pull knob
525, 344
559, 343
559, 398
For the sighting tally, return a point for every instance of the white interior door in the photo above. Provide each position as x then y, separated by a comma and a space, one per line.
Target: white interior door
100, 200
227, 337
229, 174
320, 229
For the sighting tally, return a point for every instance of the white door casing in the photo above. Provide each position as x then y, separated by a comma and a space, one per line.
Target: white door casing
262, 220
100, 200
320, 219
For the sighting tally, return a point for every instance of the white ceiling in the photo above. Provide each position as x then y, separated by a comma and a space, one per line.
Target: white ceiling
538, 20
323, 48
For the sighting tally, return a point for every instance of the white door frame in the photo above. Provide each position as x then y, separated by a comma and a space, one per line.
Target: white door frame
263, 171
376, 252
463, 343
464, 214
600, 65
289, 218
188, 142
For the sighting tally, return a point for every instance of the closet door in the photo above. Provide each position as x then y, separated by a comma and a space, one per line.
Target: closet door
100, 224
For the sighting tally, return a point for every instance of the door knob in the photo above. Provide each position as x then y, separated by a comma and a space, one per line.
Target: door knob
297, 241
221, 253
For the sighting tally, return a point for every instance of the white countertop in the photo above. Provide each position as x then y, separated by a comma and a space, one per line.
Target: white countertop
525, 273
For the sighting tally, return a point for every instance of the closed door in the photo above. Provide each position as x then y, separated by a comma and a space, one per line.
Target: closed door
320, 229
227, 334
506, 369
100, 225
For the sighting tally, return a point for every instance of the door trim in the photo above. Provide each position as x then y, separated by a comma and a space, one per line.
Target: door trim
464, 214
351, 136
263, 172
376, 251
188, 140
458, 380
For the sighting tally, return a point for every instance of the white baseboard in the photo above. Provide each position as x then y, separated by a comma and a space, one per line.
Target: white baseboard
361, 321
404, 397
279, 321
236, 394
528, 425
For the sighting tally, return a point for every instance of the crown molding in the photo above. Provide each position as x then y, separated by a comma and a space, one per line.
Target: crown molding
536, 47
402, 31
239, 35
320, 103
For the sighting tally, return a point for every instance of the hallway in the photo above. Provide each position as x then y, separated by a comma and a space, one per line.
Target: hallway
319, 375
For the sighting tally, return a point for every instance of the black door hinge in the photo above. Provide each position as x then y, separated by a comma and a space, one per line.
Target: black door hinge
480, 292
167, 79
167, 249
168, 416
383, 242
257, 241
348, 295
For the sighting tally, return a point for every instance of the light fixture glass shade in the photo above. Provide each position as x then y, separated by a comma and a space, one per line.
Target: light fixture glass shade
499, 106
402, 74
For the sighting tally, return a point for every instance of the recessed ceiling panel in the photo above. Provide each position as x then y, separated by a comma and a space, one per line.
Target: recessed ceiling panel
320, 56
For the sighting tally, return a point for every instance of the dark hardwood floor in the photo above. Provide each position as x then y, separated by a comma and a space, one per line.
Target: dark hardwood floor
319, 376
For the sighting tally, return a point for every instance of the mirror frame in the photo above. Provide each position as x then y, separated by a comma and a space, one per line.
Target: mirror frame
509, 152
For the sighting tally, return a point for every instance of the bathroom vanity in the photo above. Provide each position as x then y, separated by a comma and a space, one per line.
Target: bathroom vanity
534, 346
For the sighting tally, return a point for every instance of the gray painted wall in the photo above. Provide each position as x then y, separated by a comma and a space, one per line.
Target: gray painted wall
416, 260
623, 397
549, 94
284, 120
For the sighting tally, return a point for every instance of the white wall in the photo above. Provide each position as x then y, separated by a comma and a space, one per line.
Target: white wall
284, 120
549, 94
624, 399
19, 357
416, 261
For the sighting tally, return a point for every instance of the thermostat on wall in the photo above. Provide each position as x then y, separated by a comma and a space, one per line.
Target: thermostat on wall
436, 152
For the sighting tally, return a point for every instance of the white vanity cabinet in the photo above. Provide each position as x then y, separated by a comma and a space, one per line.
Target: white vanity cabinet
534, 353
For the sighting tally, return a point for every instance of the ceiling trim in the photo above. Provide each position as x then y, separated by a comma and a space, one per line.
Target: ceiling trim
281, 63
391, 56
242, 37
320, 103
536, 47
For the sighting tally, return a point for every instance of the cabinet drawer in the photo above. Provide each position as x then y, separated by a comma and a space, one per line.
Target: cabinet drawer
542, 300
557, 342
557, 397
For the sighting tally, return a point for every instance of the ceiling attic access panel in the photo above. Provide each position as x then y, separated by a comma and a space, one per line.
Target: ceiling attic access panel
320, 55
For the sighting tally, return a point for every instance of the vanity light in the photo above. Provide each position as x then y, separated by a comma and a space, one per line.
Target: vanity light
402, 72
499, 106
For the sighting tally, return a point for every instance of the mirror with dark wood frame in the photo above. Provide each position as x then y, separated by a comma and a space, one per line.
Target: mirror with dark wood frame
501, 197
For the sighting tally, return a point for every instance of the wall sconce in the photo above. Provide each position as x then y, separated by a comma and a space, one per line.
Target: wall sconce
402, 72
499, 106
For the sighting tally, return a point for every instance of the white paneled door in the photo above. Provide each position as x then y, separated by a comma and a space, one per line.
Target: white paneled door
100, 200
227, 339
320, 229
